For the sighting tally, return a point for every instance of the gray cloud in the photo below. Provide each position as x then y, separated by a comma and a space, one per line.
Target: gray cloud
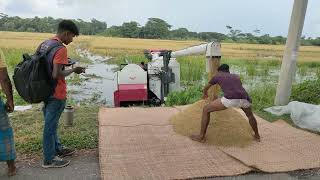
19, 6
65, 2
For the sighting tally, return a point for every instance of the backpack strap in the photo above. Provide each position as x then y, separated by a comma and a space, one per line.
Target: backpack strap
47, 51
52, 49
56, 45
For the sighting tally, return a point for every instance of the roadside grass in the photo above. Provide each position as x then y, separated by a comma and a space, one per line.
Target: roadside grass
28, 129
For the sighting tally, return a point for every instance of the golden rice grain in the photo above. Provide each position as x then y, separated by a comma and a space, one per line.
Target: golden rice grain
226, 128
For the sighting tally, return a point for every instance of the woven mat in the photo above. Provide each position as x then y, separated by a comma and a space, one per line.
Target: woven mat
135, 116
282, 148
138, 143
140, 150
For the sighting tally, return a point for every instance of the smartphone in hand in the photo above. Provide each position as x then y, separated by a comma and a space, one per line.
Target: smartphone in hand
71, 62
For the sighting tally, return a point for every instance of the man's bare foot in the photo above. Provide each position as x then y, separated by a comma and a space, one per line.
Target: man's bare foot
257, 137
198, 138
12, 171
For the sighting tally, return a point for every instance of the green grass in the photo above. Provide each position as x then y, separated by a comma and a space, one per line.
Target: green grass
192, 68
251, 70
263, 97
303, 70
310, 64
187, 96
28, 129
13, 57
75, 79
307, 92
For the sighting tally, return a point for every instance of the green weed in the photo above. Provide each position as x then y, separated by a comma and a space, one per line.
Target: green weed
183, 97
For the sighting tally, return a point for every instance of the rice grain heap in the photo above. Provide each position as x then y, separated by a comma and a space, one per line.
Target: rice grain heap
226, 128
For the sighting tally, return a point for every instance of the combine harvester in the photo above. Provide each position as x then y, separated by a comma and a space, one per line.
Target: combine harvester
152, 84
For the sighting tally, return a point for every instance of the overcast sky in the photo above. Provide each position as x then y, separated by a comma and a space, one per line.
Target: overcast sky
270, 16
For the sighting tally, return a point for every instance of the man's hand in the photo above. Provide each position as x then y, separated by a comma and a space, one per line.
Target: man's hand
205, 91
79, 70
214, 97
10, 106
7, 88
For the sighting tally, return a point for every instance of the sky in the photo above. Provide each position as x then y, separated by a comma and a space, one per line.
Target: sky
269, 16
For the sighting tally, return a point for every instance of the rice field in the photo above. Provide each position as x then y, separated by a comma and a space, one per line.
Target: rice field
123, 46
257, 65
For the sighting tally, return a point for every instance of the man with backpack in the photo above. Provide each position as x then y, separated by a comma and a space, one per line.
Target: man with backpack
7, 149
57, 59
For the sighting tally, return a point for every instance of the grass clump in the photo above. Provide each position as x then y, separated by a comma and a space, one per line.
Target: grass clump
307, 91
183, 97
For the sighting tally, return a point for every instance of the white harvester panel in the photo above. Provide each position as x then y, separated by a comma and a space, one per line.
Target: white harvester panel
154, 70
175, 66
213, 49
132, 74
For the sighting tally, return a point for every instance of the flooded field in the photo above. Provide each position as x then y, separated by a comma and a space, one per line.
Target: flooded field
97, 84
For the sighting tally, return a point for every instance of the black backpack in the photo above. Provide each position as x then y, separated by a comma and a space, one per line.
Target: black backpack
33, 76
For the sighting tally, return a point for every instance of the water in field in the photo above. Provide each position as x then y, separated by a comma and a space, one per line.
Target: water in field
97, 84
262, 75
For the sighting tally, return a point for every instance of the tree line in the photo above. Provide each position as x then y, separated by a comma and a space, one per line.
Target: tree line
155, 28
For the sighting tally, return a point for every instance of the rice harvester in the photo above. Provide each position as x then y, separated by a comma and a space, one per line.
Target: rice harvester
152, 83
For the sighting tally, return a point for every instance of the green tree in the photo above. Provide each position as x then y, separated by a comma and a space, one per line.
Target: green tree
233, 33
212, 36
265, 39
181, 33
278, 40
113, 31
130, 29
156, 28
97, 26
256, 31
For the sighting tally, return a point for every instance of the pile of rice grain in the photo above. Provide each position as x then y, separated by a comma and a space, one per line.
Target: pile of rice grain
226, 128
